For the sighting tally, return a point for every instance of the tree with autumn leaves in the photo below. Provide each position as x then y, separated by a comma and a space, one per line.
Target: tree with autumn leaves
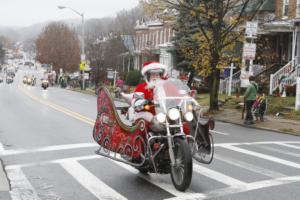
59, 45
207, 33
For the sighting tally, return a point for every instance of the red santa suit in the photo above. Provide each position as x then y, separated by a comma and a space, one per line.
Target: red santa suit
148, 94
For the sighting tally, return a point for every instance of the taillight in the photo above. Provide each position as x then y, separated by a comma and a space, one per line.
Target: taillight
211, 124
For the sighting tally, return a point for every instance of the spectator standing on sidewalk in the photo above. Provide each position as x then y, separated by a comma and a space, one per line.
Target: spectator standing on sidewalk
249, 99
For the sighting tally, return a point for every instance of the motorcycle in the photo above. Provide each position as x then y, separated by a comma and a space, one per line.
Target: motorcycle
117, 92
9, 79
167, 144
25, 79
45, 84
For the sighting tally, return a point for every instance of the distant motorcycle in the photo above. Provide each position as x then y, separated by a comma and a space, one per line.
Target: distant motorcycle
9, 80
118, 91
45, 84
33, 82
24, 79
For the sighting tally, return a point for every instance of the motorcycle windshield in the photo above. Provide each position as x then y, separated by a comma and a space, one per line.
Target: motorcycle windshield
169, 94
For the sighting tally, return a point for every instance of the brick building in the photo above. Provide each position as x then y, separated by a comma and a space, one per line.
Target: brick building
282, 29
153, 42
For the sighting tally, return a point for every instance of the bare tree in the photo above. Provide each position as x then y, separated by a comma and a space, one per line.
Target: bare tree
58, 45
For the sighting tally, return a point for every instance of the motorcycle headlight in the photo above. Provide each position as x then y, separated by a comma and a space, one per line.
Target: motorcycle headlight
174, 114
188, 116
161, 118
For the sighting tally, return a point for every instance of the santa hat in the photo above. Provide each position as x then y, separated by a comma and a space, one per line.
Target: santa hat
153, 66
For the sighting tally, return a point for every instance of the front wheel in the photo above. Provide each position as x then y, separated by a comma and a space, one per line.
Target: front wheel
181, 172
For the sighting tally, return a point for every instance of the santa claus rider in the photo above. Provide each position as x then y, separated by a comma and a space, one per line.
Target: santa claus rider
151, 72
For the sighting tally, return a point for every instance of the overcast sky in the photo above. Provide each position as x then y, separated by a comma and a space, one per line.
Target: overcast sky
27, 12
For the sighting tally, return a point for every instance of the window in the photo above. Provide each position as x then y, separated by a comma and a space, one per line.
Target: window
298, 9
143, 41
157, 37
285, 8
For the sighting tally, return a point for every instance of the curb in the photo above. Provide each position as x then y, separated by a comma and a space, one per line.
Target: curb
4, 184
258, 128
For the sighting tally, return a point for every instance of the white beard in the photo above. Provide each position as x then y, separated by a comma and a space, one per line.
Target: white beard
151, 84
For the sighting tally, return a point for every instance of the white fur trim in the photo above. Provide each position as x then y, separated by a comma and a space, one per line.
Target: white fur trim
153, 66
128, 97
143, 115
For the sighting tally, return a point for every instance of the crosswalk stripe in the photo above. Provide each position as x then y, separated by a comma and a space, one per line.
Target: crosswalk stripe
263, 156
154, 180
254, 143
90, 181
218, 132
227, 180
57, 161
239, 188
289, 145
21, 189
297, 155
47, 148
249, 166
1, 149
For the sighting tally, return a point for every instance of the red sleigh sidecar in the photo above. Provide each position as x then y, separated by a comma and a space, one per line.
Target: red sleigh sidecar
166, 148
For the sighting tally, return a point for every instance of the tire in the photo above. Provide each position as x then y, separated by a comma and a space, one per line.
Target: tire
204, 157
143, 170
181, 173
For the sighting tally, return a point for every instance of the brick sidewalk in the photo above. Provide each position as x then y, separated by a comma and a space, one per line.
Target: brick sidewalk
271, 123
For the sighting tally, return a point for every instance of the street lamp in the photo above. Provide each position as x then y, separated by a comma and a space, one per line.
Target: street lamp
82, 38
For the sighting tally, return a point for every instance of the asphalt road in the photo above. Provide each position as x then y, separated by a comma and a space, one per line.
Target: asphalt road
47, 149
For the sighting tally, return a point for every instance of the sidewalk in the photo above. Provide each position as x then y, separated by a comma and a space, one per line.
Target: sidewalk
271, 123
4, 185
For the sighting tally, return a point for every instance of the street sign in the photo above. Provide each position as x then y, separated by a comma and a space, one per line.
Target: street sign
82, 65
249, 51
245, 78
297, 106
110, 74
251, 29
86, 76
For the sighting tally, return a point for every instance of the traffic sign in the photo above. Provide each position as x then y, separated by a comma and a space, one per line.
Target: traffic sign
251, 29
249, 51
82, 65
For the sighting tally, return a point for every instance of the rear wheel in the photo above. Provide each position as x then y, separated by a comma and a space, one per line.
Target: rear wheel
181, 172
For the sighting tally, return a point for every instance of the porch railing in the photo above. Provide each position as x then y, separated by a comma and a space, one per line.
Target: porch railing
236, 81
284, 71
292, 79
224, 83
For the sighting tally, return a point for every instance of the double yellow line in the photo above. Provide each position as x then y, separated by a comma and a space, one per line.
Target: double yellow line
59, 108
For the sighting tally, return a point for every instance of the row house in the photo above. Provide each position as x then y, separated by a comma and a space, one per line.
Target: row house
282, 29
153, 43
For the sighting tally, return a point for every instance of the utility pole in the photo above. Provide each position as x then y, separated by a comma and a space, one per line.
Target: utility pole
83, 57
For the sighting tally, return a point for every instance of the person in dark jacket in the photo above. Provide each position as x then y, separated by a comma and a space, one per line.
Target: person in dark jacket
249, 99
